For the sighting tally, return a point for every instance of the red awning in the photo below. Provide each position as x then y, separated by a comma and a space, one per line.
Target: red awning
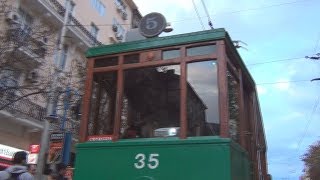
5, 158
5, 162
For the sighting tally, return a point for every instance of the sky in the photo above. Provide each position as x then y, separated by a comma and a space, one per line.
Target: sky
278, 34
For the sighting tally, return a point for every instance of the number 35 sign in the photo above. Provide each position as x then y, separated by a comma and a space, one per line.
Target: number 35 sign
150, 161
152, 25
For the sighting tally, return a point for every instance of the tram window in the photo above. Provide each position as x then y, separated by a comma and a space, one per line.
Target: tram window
202, 99
233, 96
102, 105
170, 54
151, 102
130, 59
111, 61
201, 50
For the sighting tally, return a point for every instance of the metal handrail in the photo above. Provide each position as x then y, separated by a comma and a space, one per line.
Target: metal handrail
61, 11
27, 109
23, 107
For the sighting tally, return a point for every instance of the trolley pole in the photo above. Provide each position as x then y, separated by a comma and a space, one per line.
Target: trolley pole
51, 108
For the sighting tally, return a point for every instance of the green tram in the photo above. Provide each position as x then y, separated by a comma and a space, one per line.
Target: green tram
180, 107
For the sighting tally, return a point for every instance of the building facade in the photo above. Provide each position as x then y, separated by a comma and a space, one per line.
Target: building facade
39, 42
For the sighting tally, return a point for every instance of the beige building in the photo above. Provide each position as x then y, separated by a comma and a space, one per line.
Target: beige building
45, 48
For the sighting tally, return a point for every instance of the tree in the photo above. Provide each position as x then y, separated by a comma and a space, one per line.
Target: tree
311, 161
27, 67
15, 38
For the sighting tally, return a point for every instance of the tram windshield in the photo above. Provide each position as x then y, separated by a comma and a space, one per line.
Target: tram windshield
151, 102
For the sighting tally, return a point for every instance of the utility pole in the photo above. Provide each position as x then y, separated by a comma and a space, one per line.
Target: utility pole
51, 108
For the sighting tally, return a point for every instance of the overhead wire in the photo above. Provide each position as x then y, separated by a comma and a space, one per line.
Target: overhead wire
249, 9
230, 12
316, 103
274, 61
239, 11
283, 82
265, 7
286, 161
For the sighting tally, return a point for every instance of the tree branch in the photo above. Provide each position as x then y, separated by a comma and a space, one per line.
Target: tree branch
21, 97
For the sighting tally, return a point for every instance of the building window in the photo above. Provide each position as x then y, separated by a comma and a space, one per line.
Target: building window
94, 30
119, 30
120, 5
99, 6
121, 8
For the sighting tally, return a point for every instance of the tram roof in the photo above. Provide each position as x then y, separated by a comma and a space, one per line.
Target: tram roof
167, 41
158, 42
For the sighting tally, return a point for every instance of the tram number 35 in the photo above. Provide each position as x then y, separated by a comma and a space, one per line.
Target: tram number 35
152, 162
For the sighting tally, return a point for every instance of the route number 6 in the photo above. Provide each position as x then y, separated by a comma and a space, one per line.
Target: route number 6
152, 163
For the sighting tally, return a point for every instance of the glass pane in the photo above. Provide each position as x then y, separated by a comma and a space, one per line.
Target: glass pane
151, 103
171, 54
233, 93
132, 58
111, 61
103, 97
201, 50
202, 99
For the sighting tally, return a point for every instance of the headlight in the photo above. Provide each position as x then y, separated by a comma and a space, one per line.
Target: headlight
172, 132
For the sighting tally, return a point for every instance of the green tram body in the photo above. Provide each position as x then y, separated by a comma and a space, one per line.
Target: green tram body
216, 157
197, 158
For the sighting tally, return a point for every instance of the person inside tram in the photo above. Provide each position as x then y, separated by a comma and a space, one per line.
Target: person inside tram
131, 132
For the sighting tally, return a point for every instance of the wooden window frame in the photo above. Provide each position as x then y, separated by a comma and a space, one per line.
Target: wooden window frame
218, 55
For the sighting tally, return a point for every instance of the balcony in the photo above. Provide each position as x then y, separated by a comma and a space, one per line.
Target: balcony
26, 109
55, 11
22, 108
24, 50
